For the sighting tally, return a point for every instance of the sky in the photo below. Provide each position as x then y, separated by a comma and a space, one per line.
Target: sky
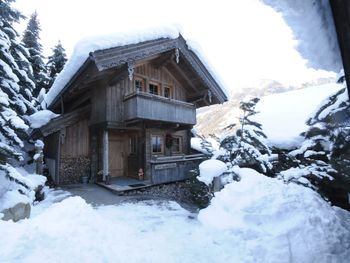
245, 41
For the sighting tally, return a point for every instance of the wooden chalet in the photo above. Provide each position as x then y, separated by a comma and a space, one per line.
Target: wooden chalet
127, 113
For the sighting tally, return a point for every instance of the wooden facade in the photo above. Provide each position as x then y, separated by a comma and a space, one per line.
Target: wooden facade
130, 119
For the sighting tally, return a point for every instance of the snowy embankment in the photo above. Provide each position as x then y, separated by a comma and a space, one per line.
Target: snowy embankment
284, 115
258, 219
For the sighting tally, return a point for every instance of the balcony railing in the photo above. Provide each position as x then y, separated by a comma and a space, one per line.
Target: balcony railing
152, 107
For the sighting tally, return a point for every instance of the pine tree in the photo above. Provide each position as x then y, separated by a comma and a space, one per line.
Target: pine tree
247, 147
56, 62
15, 93
323, 161
31, 41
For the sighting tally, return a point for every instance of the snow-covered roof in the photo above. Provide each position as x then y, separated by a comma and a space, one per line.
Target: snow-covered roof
86, 46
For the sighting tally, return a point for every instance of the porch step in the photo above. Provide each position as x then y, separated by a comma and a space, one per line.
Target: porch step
124, 188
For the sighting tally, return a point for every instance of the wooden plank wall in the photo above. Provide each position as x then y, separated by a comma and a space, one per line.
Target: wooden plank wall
76, 140
167, 152
163, 76
114, 101
98, 104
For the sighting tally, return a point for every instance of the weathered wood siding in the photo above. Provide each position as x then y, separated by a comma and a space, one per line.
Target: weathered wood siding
167, 152
98, 104
173, 171
114, 101
76, 140
152, 107
158, 75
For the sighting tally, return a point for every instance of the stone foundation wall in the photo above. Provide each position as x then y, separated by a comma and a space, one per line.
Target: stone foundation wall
73, 168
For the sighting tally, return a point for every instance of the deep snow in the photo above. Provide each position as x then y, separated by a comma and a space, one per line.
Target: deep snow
258, 219
283, 116
85, 46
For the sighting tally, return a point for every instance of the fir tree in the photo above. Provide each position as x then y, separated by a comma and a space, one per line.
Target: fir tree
15, 92
322, 161
56, 62
247, 147
31, 40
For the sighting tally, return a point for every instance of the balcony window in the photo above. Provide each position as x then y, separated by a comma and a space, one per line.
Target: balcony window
139, 85
153, 89
157, 144
167, 92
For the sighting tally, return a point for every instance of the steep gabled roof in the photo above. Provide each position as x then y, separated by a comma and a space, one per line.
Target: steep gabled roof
122, 49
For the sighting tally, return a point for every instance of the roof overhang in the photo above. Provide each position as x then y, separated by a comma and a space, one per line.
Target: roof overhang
341, 17
129, 55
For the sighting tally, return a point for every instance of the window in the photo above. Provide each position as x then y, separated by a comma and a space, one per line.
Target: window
133, 145
153, 89
139, 85
176, 144
167, 92
157, 143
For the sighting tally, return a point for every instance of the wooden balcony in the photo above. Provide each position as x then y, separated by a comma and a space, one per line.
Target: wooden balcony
152, 107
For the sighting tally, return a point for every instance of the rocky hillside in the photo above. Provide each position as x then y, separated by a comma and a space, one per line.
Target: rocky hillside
213, 119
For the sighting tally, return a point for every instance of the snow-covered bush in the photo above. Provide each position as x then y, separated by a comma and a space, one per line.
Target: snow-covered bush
323, 160
16, 103
247, 147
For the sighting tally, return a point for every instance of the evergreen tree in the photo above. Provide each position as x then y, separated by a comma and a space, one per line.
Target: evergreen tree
56, 62
15, 92
247, 147
322, 162
31, 41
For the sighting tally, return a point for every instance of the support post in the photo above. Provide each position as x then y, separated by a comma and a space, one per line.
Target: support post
39, 157
105, 157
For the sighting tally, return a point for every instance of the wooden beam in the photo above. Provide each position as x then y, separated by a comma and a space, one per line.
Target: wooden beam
164, 59
341, 17
121, 74
105, 156
181, 74
65, 120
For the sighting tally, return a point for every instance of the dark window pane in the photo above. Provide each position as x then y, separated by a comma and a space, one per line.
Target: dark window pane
153, 89
167, 92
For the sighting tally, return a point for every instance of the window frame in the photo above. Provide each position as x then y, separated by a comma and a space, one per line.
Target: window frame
154, 84
170, 91
179, 144
142, 81
161, 144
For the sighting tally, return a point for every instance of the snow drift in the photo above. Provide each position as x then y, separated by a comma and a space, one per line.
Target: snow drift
280, 222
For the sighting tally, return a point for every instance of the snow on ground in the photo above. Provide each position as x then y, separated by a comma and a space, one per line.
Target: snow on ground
258, 219
283, 115
210, 169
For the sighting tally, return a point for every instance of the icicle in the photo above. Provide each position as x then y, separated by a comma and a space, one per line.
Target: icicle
177, 55
130, 70
209, 95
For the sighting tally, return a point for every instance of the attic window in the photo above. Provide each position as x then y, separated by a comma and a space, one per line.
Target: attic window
139, 85
153, 89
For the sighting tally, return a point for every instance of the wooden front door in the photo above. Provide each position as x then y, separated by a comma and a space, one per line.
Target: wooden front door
118, 155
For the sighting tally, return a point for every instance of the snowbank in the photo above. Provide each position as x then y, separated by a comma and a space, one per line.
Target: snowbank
285, 222
210, 169
284, 115
85, 46
9, 191
41, 118
274, 224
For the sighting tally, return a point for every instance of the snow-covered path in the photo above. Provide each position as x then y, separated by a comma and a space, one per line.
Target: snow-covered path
258, 219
